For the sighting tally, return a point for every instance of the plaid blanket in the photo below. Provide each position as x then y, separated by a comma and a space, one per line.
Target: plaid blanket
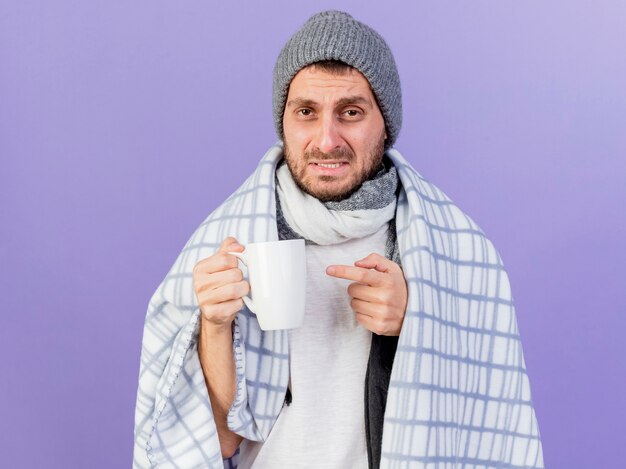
459, 395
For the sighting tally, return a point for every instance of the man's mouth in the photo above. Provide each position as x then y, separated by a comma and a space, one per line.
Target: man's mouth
333, 168
329, 165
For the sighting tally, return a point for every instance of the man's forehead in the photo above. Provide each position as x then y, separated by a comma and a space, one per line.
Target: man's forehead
319, 70
311, 84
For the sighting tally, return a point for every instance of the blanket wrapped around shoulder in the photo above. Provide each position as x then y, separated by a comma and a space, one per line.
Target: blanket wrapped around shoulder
459, 394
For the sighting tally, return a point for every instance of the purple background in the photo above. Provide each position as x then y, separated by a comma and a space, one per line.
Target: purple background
123, 124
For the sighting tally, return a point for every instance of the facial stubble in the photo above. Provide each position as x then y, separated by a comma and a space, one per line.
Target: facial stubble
343, 154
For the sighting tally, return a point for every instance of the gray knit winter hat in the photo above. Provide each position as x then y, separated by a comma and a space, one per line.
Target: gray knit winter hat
335, 35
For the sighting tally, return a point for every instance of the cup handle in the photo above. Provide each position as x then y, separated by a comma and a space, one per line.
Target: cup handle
246, 299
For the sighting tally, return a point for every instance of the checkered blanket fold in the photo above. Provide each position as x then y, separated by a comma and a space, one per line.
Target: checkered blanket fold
459, 395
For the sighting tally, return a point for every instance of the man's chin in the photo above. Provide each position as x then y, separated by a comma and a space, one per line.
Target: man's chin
336, 194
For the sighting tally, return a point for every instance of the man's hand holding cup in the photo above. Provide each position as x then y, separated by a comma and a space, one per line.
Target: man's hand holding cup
219, 286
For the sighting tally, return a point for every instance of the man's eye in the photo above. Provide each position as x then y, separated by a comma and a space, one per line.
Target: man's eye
352, 113
305, 112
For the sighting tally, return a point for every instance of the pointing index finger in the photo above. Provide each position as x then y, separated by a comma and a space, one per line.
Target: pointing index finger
356, 274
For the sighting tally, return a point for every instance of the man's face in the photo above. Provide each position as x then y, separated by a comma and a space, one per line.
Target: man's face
334, 132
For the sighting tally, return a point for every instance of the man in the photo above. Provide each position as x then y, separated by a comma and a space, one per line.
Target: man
409, 354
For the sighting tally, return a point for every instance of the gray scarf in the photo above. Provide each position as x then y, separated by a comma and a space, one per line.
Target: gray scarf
299, 215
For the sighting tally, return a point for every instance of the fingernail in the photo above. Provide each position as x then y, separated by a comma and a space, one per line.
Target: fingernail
330, 270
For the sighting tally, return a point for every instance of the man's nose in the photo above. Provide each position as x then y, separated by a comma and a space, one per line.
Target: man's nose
328, 136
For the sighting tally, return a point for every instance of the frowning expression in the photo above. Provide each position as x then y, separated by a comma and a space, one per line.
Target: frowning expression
334, 132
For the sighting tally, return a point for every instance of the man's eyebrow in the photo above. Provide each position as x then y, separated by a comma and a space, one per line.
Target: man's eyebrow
348, 100
357, 99
303, 102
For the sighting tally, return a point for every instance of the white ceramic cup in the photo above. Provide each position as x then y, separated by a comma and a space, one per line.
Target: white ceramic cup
277, 276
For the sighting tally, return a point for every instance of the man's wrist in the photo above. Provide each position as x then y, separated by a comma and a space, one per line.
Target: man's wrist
213, 330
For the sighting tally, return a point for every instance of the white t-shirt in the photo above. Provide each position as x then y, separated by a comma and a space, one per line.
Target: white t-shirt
324, 427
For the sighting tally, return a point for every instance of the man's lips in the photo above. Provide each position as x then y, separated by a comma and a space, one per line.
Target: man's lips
329, 167
329, 162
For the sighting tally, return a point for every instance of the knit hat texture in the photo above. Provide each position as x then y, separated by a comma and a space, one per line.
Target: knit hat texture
335, 35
